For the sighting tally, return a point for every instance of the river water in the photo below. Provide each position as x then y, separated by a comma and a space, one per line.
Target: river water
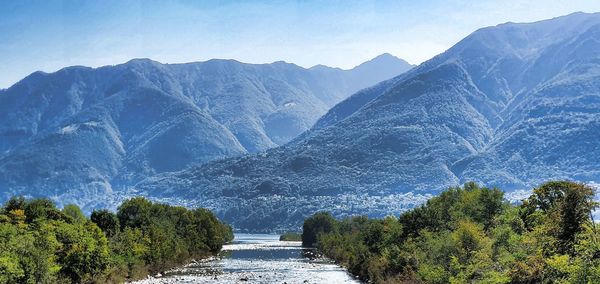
253, 258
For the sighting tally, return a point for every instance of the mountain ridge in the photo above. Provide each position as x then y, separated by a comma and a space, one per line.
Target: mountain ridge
482, 111
111, 126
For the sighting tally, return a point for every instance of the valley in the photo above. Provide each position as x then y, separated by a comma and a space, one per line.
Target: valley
383, 142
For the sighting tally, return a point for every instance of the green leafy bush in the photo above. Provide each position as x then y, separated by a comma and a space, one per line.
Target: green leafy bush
41, 244
291, 237
471, 234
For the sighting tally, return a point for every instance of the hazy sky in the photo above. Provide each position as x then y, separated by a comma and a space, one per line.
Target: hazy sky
48, 35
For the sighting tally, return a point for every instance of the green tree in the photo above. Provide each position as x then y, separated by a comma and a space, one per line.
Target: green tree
42, 209
564, 206
15, 203
130, 247
319, 223
84, 254
135, 213
106, 220
41, 244
74, 212
443, 212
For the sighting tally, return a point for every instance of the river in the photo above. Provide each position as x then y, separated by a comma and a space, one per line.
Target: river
255, 258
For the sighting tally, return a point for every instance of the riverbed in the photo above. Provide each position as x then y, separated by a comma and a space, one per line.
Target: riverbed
256, 258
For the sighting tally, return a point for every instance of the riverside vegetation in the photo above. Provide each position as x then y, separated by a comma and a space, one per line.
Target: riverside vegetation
471, 234
41, 244
291, 237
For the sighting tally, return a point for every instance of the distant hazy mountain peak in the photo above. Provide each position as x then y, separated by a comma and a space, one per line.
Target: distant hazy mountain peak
321, 67
378, 61
282, 62
384, 60
384, 55
141, 60
220, 60
387, 56
145, 62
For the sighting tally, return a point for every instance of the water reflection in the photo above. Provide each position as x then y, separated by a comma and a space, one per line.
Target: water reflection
260, 259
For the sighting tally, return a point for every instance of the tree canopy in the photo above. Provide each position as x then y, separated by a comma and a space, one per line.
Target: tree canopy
471, 234
41, 244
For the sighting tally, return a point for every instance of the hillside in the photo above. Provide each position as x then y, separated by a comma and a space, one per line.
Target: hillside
508, 106
81, 133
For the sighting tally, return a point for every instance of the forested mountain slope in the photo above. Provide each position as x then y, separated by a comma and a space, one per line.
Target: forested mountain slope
509, 106
86, 132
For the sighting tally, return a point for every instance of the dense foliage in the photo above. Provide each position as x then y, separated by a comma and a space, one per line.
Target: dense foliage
471, 234
290, 237
41, 244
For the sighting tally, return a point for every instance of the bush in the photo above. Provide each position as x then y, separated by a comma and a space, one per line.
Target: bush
320, 223
291, 237
41, 244
471, 234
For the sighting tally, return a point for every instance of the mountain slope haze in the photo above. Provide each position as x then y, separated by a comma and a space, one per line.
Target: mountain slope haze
508, 106
85, 132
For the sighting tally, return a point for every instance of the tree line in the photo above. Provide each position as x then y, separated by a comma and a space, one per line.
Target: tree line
471, 234
40, 243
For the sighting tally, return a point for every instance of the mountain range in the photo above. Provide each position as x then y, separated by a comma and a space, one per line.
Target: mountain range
509, 106
80, 134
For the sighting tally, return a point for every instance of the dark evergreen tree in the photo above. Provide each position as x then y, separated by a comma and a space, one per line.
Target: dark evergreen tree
106, 220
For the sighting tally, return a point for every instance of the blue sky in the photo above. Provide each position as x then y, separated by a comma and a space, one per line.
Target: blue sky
50, 34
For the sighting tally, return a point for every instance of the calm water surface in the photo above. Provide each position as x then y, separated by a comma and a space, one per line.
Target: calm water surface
252, 258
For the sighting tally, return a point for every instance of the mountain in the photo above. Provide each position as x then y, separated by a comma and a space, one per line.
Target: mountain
82, 132
368, 73
509, 106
